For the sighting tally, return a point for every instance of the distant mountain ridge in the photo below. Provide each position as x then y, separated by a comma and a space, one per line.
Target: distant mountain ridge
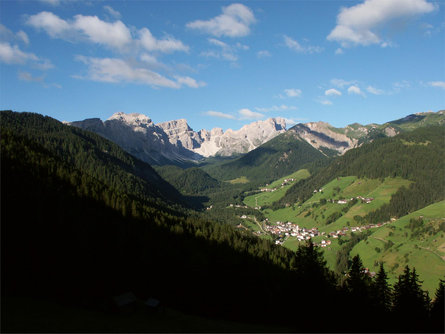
175, 142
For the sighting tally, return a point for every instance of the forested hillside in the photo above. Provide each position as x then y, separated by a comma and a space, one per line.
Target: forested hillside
189, 181
90, 154
416, 156
278, 157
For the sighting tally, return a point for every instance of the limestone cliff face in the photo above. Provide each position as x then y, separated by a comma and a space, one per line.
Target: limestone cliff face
181, 134
321, 134
249, 137
137, 134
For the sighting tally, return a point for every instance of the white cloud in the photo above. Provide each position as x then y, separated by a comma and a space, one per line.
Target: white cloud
342, 83
439, 84
224, 51
325, 102
189, 82
114, 70
7, 35
297, 47
140, 67
11, 54
23, 37
263, 54
167, 45
398, 86
26, 76
150, 59
219, 114
115, 35
293, 92
360, 24
375, 91
339, 51
249, 114
52, 24
220, 55
44, 64
332, 92
355, 90
217, 42
242, 46
234, 21
112, 12
282, 107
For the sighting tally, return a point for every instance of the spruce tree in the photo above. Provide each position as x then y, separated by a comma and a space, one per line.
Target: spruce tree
411, 303
381, 291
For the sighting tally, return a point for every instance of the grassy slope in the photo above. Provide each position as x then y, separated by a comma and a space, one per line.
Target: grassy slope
425, 252
307, 216
270, 197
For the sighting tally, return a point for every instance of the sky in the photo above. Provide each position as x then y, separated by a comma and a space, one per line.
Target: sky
223, 63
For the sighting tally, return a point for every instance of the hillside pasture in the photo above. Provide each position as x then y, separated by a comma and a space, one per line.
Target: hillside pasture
266, 198
424, 250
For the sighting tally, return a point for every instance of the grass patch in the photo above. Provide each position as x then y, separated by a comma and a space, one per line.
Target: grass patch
241, 179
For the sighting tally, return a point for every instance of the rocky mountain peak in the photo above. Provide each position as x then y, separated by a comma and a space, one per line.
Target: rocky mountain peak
175, 125
134, 119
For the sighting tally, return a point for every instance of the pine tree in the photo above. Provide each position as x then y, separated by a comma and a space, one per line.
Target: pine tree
411, 303
381, 291
357, 282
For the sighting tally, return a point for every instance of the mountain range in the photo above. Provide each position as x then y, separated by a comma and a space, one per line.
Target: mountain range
175, 142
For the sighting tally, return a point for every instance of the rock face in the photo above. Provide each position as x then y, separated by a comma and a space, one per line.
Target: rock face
137, 134
249, 137
322, 134
174, 141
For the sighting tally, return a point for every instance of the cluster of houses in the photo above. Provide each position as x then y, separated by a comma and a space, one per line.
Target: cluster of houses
323, 243
366, 200
344, 230
284, 230
238, 206
284, 183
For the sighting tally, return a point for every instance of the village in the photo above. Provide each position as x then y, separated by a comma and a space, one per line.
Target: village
284, 230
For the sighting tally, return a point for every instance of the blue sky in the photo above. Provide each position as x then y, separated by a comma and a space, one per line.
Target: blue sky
224, 64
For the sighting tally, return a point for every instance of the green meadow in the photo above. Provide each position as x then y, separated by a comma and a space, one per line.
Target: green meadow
397, 245
265, 198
